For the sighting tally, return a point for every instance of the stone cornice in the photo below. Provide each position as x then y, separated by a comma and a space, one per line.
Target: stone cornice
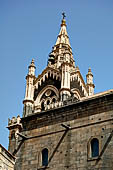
27, 100
86, 107
13, 126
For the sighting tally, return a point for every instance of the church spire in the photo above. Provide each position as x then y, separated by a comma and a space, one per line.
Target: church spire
61, 51
63, 35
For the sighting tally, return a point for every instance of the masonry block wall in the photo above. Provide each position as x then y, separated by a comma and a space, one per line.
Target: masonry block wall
67, 133
7, 160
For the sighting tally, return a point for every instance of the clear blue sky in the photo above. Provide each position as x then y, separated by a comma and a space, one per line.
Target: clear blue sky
29, 28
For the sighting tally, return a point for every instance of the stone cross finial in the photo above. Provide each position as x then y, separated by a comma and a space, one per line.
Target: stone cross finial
63, 14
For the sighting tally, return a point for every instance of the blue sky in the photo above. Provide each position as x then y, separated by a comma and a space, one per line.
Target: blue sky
29, 28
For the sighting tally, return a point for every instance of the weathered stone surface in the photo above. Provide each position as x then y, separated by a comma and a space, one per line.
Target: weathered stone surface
69, 149
63, 117
7, 160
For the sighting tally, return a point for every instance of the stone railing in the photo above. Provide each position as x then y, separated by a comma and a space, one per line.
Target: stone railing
60, 104
54, 105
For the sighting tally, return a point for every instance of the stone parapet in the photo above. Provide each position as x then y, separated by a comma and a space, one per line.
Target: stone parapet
15, 121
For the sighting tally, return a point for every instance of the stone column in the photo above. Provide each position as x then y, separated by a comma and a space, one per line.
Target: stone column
29, 94
65, 81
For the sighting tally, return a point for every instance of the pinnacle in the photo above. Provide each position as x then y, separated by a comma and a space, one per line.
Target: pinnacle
63, 35
89, 70
61, 51
32, 63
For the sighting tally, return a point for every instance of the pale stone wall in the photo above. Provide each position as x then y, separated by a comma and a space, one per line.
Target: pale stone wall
6, 160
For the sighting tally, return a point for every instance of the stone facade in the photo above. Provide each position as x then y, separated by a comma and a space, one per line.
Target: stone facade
64, 124
7, 160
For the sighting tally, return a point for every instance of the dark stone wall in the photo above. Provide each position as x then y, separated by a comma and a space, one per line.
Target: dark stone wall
69, 148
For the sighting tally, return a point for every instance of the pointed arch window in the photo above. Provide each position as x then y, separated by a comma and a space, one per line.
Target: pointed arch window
94, 147
45, 157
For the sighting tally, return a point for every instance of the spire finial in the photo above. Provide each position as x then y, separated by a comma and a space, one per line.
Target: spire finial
32, 64
63, 19
63, 14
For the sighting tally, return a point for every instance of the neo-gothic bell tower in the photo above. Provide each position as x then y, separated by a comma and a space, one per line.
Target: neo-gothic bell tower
60, 81
64, 126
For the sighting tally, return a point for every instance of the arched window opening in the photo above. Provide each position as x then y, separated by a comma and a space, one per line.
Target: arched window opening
45, 157
42, 106
53, 100
48, 102
94, 147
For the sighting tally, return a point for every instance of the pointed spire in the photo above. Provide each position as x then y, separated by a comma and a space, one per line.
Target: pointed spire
63, 36
61, 51
32, 63
89, 71
32, 68
89, 80
29, 94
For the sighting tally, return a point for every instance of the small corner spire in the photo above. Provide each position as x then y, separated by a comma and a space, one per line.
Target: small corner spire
32, 63
32, 68
89, 70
